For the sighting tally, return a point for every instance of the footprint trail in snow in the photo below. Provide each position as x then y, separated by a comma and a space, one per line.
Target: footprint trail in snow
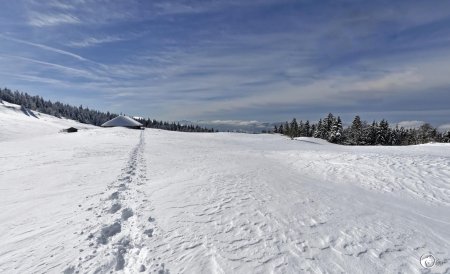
119, 233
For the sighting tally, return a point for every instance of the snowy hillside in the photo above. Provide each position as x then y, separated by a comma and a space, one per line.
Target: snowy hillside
131, 201
17, 122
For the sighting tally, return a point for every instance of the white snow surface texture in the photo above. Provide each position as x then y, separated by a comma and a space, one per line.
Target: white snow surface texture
129, 201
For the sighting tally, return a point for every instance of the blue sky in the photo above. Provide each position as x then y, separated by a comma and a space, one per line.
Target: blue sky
265, 60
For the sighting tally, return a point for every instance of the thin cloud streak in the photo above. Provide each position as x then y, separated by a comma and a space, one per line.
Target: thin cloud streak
44, 47
93, 41
35, 79
48, 20
67, 71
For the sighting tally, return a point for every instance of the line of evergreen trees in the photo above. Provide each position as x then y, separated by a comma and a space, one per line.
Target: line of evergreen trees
84, 115
362, 133
58, 109
149, 123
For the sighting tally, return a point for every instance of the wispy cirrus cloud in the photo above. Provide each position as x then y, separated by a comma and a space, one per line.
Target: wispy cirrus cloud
52, 19
406, 78
94, 41
61, 5
44, 47
34, 79
66, 71
388, 82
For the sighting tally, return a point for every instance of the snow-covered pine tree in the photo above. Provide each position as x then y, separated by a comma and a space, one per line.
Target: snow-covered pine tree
281, 129
293, 129
335, 131
300, 129
426, 133
370, 134
446, 137
307, 129
318, 130
312, 130
287, 128
383, 133
339, 130
356, 131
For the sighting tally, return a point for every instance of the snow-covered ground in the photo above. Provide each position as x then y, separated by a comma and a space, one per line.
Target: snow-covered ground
132, 201
17, 122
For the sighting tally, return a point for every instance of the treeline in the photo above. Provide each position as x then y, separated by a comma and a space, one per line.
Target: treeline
58, 109
362, 133
149, 123
84, 115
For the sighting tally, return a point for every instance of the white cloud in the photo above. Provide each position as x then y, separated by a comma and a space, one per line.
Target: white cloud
62, 5
48, 20
44, 47
57, 68
34, 79
386, 77
93, 41
389, 82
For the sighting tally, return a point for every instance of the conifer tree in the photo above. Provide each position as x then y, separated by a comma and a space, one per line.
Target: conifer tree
307, 129
356, 131
293, 129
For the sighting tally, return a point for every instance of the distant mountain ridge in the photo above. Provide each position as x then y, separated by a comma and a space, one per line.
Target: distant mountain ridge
235, 125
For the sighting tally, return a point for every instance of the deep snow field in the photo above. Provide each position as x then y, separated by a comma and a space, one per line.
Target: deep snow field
153, 201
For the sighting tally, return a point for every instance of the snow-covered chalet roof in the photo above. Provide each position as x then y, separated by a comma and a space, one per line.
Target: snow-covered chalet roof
122, 121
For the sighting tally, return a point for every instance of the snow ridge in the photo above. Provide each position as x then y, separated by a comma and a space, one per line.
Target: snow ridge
117, 242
